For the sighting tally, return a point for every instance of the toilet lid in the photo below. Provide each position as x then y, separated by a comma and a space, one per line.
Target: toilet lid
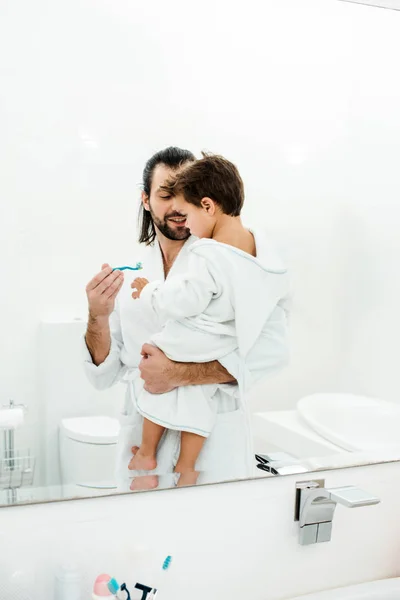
92, 430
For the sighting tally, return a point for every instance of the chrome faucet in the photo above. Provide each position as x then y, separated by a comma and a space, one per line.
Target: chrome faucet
280, 463
316, 506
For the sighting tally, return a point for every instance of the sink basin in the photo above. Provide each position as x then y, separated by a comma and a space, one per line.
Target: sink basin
385, 589
354, 423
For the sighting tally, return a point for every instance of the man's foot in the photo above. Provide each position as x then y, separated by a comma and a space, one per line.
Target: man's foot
145, 482
142, 461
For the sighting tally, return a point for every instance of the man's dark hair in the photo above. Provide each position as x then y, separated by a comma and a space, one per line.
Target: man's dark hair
171, 157
212, 177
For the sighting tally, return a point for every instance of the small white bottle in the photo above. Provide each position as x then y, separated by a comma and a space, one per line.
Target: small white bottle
68, 583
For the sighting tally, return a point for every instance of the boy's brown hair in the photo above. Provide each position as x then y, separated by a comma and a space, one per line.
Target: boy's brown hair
212, 177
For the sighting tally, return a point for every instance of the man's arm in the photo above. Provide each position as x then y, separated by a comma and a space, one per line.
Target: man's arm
102, 343
98, 339
161, 374
201, 373
269, 354
102, 362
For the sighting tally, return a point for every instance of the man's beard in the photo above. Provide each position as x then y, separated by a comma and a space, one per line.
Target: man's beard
181, 233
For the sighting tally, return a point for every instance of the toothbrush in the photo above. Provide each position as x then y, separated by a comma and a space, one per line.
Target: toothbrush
114, 588
125, 589
166, 565
138, 267
148, 592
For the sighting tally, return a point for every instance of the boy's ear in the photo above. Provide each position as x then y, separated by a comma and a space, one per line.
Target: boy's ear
209, 206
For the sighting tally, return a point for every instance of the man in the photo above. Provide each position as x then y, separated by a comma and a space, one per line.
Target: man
117, 332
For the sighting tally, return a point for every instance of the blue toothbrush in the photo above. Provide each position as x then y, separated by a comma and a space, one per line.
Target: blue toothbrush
138, 267
114, 587
166, 565
148, 592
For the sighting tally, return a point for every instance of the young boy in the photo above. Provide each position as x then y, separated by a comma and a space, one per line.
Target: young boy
220, 305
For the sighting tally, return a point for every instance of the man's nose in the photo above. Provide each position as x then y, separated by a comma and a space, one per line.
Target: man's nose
175, 207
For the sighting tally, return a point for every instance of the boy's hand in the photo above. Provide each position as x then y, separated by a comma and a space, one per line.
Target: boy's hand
138, 284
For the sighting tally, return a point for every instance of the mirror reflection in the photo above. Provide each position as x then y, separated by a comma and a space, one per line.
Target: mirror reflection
201, 279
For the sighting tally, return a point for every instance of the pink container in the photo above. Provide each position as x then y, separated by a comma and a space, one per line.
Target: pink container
100, 589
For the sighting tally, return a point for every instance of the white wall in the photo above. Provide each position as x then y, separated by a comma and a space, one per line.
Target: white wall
303, 96
231, 541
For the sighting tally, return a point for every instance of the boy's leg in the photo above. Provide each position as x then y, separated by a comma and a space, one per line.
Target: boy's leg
145, 458
191, 445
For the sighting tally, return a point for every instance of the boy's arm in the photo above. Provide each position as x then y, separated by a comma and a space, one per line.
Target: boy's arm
180, 296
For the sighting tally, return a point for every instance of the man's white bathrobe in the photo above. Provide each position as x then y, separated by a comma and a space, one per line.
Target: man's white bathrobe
227, 452
219, 306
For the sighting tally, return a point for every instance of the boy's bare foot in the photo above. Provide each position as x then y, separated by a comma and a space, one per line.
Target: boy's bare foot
187, 474
145, 482
142, 461
188, 478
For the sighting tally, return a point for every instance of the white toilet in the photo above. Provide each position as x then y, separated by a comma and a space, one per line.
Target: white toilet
87, 454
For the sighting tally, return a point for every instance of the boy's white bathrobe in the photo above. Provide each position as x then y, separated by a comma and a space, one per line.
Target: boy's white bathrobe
227, 451
219, 306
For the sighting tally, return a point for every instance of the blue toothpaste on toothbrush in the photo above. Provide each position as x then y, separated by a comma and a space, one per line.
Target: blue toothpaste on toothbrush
138, 267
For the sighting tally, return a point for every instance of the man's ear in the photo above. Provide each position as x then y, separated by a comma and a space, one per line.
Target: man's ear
209, 206
145, 201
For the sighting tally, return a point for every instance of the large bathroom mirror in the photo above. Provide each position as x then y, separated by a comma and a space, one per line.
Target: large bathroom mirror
303, 97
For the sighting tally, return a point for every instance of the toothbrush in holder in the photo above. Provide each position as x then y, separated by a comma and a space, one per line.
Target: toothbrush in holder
166, 565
